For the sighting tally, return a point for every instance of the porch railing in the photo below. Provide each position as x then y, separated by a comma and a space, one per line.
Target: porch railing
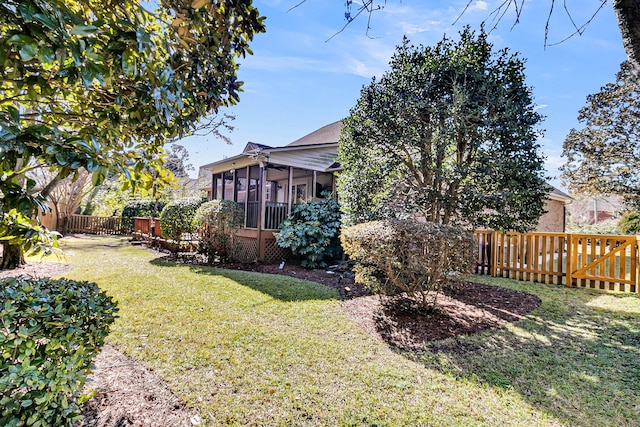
274, 214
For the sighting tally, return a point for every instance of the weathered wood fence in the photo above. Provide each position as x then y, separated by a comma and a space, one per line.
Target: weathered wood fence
582, 260
93, 224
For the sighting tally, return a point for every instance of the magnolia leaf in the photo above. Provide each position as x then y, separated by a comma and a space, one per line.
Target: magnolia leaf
83, 30
20, 39
46, 55
197, 4
28, 51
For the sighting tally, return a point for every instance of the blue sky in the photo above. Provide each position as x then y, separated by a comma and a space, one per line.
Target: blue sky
296, 81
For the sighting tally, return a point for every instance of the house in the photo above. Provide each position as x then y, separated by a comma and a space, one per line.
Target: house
588, 209
269, 181
555, 217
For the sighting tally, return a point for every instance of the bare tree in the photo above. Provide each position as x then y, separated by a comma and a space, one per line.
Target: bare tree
66, 194
627, 13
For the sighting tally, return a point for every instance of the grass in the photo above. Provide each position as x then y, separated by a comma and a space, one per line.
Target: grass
251, 349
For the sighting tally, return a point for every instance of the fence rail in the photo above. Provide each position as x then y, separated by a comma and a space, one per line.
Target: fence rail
93, 224
582, 260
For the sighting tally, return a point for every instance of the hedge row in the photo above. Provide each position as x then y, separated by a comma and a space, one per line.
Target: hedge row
51, 331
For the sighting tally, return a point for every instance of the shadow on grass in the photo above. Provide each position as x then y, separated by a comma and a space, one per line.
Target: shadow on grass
282, 288
577, 363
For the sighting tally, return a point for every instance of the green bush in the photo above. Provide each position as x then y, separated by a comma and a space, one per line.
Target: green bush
177, 218
312, 232
51, 331
609, 226
629, 223
409, 260
140, 208
217, 222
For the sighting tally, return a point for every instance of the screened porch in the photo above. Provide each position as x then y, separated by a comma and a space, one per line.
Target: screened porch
269, 193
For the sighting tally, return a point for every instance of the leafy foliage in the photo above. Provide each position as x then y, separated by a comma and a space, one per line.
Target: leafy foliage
52, 329
217, 222
604, 156
177, 159
102, 86
629, 223
177, 218
448, 134
140, 208
18, 231
312, 232
409, 259
608, 227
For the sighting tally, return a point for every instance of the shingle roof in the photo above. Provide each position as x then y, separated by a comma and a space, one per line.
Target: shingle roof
326, 134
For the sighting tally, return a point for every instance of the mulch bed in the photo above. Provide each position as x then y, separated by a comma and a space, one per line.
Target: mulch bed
472, 309
469, 309
128, 394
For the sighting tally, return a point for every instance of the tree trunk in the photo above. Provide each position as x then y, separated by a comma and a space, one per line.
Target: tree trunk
628, 15
12, 256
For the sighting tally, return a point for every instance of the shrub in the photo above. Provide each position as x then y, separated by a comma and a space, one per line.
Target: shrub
312, 232
177, 218
609, 226
217, 222
51, 330
629, 223
406, 259
140, 208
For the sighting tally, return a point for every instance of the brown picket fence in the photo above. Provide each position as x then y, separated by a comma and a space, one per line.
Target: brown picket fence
581, 260
93, 224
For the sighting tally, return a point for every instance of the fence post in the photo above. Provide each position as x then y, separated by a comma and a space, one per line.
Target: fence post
493, 256
569, 260
636, 261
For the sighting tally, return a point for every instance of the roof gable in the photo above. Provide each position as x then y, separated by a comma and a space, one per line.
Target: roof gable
253, 146
326, 134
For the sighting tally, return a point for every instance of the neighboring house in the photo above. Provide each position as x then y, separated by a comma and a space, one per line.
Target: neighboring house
586, 210
269, 181
555, 217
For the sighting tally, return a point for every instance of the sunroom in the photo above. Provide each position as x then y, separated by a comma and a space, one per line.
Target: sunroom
269, 181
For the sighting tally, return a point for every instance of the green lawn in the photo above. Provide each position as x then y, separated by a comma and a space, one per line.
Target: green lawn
251, 349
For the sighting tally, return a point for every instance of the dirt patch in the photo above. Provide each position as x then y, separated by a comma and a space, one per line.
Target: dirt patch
128, 394
37, 270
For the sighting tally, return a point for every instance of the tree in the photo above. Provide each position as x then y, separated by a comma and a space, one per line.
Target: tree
448, 133
628, 15
177, 159
102, 85
604, 156
66, 197
630, 222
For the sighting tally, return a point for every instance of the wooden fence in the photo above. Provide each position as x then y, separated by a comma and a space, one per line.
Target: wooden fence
93, 224
582, 260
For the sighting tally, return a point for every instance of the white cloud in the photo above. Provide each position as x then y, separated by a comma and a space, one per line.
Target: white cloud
479, 6
410, 28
